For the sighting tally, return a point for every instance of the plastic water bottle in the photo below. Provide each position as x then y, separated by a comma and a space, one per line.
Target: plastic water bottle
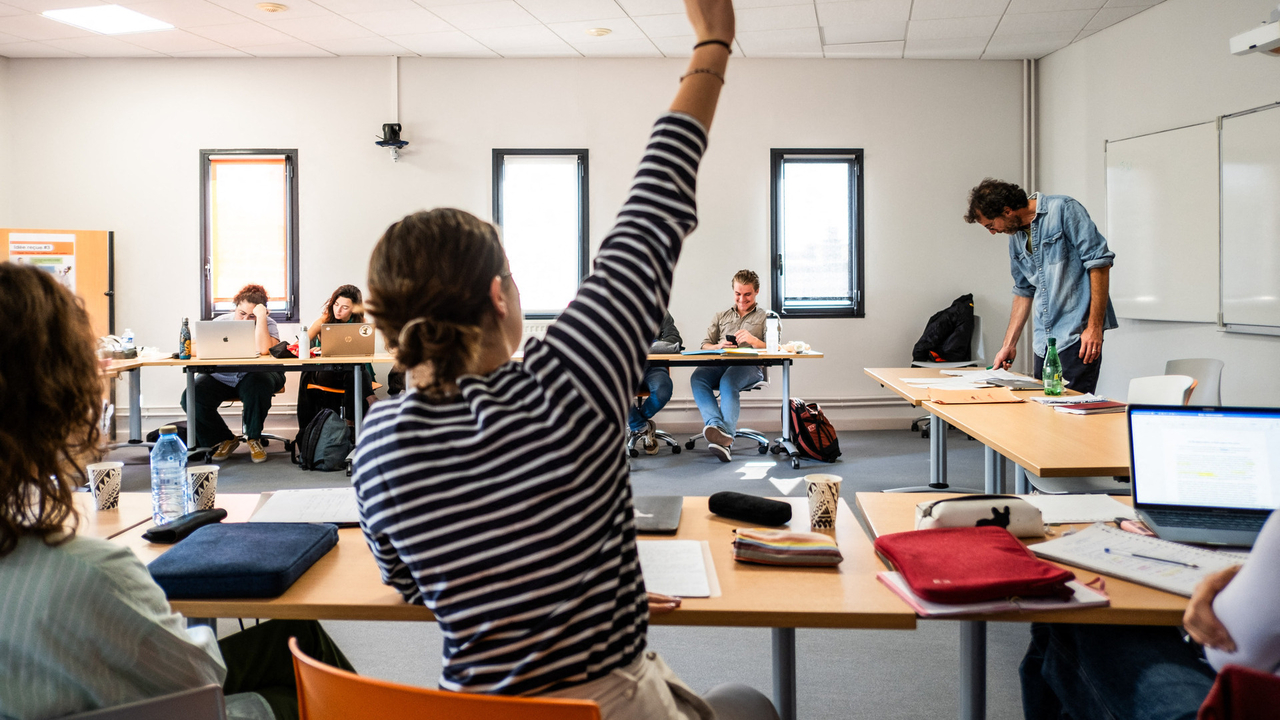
1052, 372
170, 495
184, 341
771, 335
126, 340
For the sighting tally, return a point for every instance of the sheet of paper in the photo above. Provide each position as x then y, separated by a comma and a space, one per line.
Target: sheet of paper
1067, 399
1061, 509
947, 382
973, 375
325, 505
958, 396
1082, 597
674, 567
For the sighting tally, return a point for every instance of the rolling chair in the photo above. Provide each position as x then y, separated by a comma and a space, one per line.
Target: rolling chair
1208, 375
638, 437
762, 442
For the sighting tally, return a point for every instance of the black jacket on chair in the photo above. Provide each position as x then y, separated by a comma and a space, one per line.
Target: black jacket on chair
948, 334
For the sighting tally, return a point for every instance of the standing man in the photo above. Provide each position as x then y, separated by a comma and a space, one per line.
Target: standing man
1061, 267
744, 323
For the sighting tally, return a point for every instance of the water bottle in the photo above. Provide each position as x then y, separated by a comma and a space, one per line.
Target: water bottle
170, 495
126, 340
1052, 372
184, 341
771, 334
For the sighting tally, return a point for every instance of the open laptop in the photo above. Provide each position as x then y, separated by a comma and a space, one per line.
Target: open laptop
227, 340
346, 339
1205, 474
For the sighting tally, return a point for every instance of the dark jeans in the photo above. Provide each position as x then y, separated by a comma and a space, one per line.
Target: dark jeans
658, 382
1112, 672
1080, 376
254, 391
258, 660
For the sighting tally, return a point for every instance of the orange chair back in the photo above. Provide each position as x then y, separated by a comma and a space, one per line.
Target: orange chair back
328, 693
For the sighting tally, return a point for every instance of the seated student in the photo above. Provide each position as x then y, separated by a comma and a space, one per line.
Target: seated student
658, 382
332, 389
744, 323
1140, 672
253, 390
495, 492
82, 624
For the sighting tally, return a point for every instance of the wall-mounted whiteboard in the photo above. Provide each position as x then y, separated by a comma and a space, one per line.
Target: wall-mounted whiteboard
1251, 218
1162, 224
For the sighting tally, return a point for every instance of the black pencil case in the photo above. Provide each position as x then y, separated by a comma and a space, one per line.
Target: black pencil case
171, 532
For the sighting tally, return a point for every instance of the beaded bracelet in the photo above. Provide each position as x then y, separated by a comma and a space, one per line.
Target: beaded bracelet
708, 71
721, 43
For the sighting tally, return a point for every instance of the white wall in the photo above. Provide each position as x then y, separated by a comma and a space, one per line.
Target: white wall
1164, 68
129, 132
6, 140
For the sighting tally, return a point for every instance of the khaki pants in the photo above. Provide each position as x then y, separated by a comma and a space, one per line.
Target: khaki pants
644, 690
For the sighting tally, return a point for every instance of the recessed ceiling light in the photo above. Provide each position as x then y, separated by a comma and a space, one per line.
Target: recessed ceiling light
107, 20
598, 32
271, 7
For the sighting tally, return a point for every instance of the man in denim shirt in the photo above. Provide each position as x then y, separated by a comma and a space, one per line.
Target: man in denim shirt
1061, 267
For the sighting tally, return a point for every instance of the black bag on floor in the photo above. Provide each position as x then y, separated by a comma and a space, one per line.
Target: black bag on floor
811, 431
948, 334
323, 444
154, 435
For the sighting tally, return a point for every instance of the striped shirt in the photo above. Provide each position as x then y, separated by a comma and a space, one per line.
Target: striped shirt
508, 511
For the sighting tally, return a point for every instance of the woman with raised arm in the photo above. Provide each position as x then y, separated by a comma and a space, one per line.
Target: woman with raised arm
496, 493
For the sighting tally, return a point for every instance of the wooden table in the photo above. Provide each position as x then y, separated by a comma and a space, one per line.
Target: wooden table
346, 585
1131, 604
134, 510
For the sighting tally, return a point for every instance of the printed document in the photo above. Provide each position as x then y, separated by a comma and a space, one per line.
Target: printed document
326, 505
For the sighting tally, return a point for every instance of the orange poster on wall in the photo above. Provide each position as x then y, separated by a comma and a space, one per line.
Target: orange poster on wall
79, 259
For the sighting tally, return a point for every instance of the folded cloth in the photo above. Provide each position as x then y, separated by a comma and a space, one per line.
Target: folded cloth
784, 547
241, 560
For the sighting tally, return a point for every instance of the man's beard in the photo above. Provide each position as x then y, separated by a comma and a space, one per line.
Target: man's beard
1013, 225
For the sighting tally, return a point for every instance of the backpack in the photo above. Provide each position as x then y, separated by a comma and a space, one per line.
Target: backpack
812, 432
323, 444
947, 335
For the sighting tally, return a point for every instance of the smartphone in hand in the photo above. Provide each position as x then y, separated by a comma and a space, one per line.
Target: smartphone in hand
731, 340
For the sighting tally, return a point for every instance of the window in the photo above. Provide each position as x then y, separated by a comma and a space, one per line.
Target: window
249, 228
816, 232
540, 203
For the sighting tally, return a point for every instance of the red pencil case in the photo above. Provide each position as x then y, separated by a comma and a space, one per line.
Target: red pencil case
966, 565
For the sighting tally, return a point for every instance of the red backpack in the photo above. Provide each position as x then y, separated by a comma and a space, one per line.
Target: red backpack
812, 432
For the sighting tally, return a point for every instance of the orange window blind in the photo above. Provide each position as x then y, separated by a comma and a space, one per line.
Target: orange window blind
248, 227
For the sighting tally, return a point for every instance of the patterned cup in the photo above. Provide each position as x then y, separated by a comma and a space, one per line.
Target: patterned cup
824, 495
203, 481
104, 483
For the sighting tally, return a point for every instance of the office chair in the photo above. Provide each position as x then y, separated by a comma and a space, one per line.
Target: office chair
1208, 375
762, 442
635, 438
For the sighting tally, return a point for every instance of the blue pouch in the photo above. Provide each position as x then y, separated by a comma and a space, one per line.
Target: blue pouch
241, 560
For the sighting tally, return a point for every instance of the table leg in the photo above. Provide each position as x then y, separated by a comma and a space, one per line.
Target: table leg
784, 444
358, 392
1021, 485
973, 670
937, 462
191, 408
993, 463
784, 672
135, 405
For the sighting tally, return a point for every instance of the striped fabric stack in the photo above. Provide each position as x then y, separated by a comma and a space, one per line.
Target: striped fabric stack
784, 547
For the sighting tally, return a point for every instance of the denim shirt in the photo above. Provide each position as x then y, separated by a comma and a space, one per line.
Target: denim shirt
1055, 274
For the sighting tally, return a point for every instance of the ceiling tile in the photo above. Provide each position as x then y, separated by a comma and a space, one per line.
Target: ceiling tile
864, 50
486, 15
185, 13
657, 26
676, 46
289, 49
945, 48
937, 9
346, 8
638, 8
225, 52
634, 47
523, 41
1132, 3
1109, 16
387, 23
317, 28
1084, 34
951, 28
39, 6
575, 33
1072, 21
1013, 47
9, 39
780, 17
795, 42
1034, 6
746, 4
248, 8
34, 50
864, 32
846, 13
242, 34
102, 46
171, 41
35, 27
557, 11
363, 47
10, 10
444, 44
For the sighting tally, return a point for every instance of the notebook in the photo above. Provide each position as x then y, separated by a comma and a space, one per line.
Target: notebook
346, 339
1204, 474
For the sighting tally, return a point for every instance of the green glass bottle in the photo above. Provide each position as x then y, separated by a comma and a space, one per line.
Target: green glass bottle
1052, 372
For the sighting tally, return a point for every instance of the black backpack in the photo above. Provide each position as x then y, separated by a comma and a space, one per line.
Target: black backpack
323, 444
813, 434
948, 334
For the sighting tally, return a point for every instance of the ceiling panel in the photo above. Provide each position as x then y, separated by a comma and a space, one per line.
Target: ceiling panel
523, 41
10, 10
945, 48
363, 47
601, 47
483, 16
185, 13
290, 49
444, 44
412, 21
1035, 6
952, 28
621, 29
863, 11
174, 41
778, 17
9, 39
557, 11
102, 46
1012, 47
39, 6
320, 27
223, 53
35, 27
864, 33
243, 34
636, 8
796, 42
248, 8
657, 26
34, 50
935, 9
1072, 21
349, 7
677, 46
1109, 16
864, 50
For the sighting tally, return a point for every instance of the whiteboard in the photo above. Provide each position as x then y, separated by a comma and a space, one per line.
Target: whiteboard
1251, 218
1162, 224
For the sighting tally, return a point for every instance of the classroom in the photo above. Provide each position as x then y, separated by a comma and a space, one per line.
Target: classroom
105, 132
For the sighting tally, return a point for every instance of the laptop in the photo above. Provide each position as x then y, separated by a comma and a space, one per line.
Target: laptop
658, 513
226, 340
1204, 474
346, 339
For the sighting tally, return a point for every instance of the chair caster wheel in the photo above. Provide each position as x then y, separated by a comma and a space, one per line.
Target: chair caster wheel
915, 426
795, 463
688, 445
775, 449
288, 446
925, 433
675, 449
633, 453
763, 449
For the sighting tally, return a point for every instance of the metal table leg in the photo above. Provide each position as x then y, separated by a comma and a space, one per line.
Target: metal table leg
135, 405
784, 444
358, 393
937, 462
191, 409
1021, 485
784, 672
973, 670
994, 467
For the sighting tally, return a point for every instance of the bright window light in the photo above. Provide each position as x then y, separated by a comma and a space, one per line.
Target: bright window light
248, 227
107, 20
541, 218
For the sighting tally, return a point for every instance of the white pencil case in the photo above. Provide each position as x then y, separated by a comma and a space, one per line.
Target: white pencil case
1007, 511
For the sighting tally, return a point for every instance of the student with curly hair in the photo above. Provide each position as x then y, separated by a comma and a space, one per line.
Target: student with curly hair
332, 388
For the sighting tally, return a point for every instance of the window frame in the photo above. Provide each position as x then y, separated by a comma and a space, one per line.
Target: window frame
584, 214
857, 269
291, 312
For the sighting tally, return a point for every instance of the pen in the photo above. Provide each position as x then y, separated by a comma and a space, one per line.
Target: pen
1148, 557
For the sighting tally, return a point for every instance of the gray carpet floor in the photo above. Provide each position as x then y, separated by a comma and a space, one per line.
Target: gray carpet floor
841, 673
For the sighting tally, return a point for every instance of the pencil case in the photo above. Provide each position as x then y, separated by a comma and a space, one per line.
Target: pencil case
1010, 512
171, 532
241, 560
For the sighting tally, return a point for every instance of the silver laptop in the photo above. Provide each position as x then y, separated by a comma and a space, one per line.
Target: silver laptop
658, 514
226, 340
346, 339
1205, 474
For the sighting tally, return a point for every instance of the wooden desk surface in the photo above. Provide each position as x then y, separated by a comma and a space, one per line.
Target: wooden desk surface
891, 378
345, 584
134, 510
1131, 604
268, 360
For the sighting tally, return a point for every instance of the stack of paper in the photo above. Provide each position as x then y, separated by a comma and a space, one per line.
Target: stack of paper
1083, 597
677, 567
1068, 399
953, 383
324, 505
1083, 508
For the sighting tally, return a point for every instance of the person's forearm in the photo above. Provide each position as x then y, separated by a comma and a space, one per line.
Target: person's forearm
700, 89
314, 330
1017, 320
1099, 287
263, 337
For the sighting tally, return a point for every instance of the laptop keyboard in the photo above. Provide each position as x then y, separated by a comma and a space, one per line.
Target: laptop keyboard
1211, 521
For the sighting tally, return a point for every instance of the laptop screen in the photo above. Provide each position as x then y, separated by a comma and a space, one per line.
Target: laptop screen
1205, 457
